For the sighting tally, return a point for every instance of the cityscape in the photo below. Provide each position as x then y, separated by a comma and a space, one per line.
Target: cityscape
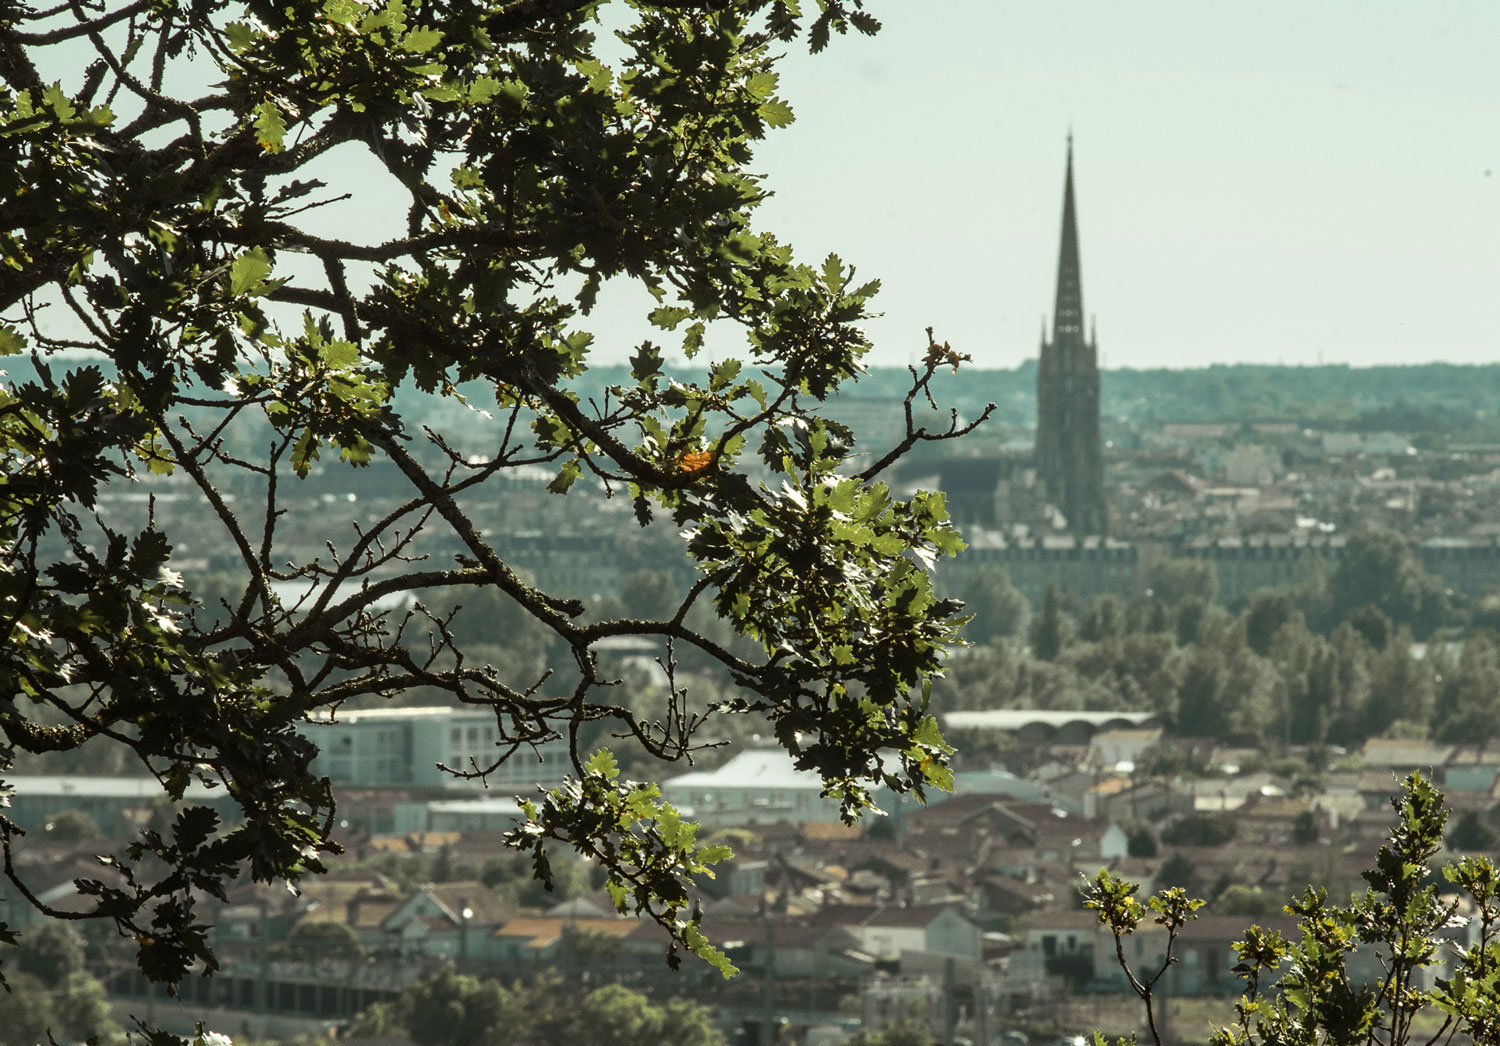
962, 915
384, 669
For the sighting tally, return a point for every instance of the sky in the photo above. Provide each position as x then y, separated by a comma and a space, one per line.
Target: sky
1278, 182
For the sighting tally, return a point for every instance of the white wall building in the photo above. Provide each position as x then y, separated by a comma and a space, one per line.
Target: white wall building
404, 748
755, 787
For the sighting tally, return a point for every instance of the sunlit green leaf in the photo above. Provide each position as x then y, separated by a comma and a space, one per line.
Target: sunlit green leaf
12, 341
420, 41
270, 127
249, 271
776, 113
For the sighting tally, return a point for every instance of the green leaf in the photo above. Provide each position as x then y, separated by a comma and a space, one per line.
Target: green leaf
619, 894
776, 113
340, 353
724, 374
12, 341
667, 317
757, 392
833, 273
598, 74
669, 825
344, 12
931, 735
692, 340
482, 89
420, 41
193, 827
695, 942
641, 802
603, 763
241, 37
741, 246
761, 85
566, 477
270, 126
646, 362
60, 104
249, 272
718, 853
149, 553
304, 453
551, 430
513, 91
466, 177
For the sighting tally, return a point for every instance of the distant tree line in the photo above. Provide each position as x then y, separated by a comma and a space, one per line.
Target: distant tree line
1442, 399
450, 1009
1334, 660
1432, 397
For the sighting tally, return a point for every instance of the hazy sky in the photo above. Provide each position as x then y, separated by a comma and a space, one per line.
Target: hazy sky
1278, 181
1284, 181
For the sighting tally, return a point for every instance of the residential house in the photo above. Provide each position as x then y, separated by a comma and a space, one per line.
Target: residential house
1275, 822
1472, 771
1397, 757
361, 902
448, 920
1004, 898
1231, 792
1136, 799
541, 939
1206, 955
759, 786
1122, 749
51, 874
781, 948
1048, 937
908, 934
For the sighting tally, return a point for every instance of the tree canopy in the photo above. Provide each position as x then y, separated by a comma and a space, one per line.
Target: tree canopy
449, 1009
239, 238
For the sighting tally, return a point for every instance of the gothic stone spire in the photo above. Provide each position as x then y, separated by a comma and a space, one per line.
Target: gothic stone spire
1069, 451
1067, 319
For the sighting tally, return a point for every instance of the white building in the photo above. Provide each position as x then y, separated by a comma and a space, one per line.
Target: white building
1252, 465
755, 787
407, 748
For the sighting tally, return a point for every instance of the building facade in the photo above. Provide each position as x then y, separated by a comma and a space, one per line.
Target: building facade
409, 748
1069, 450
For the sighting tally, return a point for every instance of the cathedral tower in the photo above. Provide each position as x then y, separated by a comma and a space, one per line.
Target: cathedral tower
1069, 452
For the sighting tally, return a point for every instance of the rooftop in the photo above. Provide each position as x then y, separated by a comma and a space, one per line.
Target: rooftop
1016, 718
400, 715
139, 788
759, 768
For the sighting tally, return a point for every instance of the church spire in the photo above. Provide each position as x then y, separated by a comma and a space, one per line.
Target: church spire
1067, 318
1069, 451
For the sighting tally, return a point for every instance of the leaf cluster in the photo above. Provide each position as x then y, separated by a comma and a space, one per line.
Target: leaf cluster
248, 302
